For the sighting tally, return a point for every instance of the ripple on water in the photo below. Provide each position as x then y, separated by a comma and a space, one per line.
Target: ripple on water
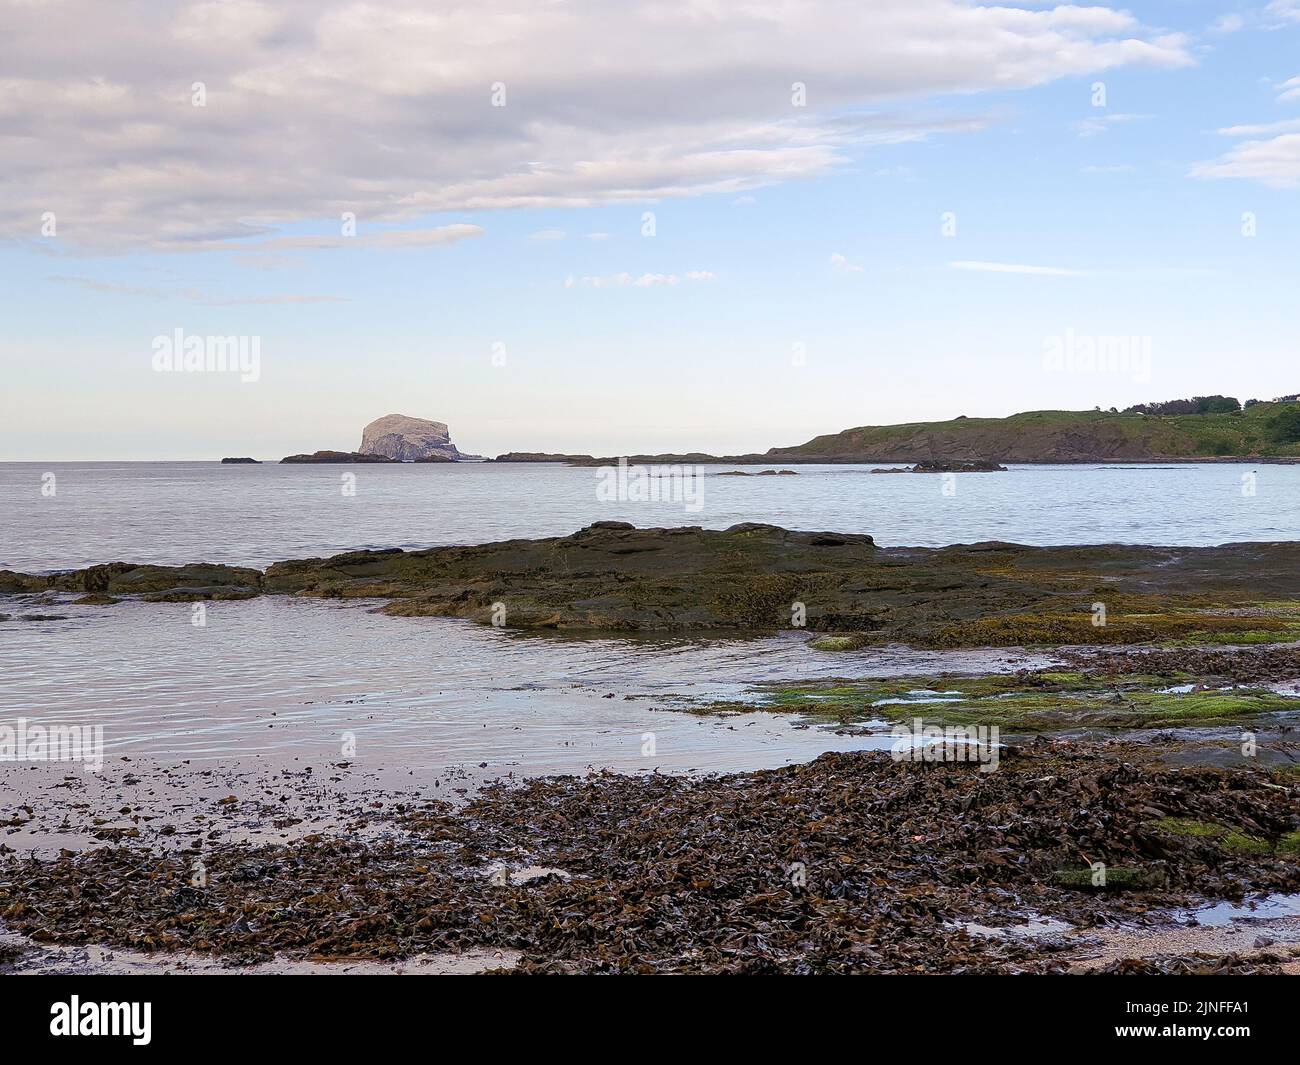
289, 677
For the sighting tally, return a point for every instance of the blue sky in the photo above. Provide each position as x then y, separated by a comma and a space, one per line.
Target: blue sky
815, 289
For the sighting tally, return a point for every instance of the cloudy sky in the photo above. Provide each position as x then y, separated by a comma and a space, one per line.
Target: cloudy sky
623, 226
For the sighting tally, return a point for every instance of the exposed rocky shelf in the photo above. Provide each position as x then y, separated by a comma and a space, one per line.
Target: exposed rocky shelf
612, 577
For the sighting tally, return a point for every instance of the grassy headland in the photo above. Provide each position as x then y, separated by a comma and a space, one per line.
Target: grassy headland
1269, 430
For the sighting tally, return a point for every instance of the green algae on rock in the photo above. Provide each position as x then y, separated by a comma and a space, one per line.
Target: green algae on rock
1022, 702
1225, 836
1111, 878
613, 577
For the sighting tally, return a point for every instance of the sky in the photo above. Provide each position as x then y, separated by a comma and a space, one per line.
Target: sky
623, 227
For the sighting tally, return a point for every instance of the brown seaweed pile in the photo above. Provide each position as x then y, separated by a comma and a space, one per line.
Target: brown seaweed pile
1255, 665
1195, 965
851, 863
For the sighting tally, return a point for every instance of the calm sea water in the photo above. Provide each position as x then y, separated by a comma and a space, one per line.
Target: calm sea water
278, 677
175, 512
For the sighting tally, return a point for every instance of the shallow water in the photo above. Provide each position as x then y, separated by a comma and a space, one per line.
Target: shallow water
177, 512
1222, 914
278, 678
281, 677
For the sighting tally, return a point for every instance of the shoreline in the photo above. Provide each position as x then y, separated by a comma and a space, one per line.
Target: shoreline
847, 863
1127, 757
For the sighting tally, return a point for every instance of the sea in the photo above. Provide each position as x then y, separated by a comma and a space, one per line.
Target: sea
284, 679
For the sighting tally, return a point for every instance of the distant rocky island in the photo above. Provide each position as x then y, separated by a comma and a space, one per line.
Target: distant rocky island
1200, 429
240, 462
395, 438
405, 439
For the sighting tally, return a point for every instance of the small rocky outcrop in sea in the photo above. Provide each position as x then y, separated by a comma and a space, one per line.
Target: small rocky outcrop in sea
543, 456
337, 456
240, 462
406, 439
974, 466
935, 466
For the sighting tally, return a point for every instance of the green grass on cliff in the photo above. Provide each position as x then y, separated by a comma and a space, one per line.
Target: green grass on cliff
1054, 434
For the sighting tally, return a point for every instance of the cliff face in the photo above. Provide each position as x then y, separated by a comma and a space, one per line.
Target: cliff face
405, 439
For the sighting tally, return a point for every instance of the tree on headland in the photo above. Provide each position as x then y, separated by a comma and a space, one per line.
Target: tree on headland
1195, 405
1284, 427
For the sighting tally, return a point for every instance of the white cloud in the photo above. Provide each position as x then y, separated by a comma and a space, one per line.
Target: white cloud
1274, 162
548, 234
189, 295
643, 281
1228, 24
1091, 127
841, 262
237, 22
1288, 125
1271, 154
1284, 10
385, 110
388, 239
1015, 268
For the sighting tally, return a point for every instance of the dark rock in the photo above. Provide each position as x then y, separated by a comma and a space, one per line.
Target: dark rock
540, 456
974, 466
337, 456
612, 576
